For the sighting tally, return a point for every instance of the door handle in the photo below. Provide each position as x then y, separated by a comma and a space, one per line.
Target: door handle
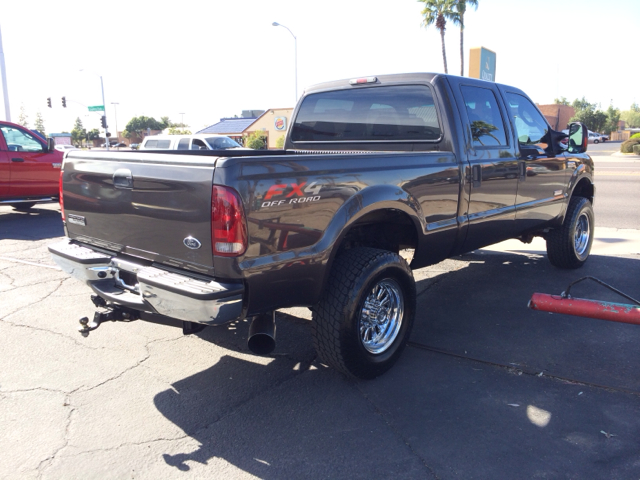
476, 175
17, 159
123, 179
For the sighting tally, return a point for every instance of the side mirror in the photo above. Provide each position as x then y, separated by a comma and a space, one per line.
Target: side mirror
578, 138
51, 144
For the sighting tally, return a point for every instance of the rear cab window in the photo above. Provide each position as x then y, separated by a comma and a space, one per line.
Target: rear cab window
485, 118
157, 144
387, 113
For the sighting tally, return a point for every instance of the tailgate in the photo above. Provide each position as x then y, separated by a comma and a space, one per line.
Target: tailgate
152, 206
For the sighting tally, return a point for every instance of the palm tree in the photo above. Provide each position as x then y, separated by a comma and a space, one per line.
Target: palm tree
458, 19
438, 12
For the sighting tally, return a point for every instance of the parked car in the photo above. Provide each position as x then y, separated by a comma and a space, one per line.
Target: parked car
29, 167
595, 137
190, 142
64, 148
371, 166
134, 146
118, 145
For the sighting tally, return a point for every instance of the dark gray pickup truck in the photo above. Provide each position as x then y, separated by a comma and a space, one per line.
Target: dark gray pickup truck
434, 164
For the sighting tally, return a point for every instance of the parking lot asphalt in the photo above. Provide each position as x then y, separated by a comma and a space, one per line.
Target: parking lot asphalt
487, 388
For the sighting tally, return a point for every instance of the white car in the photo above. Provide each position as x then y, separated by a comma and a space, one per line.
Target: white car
190, 142
64, 148
595, 137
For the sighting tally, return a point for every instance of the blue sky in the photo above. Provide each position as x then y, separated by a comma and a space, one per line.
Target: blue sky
212, 59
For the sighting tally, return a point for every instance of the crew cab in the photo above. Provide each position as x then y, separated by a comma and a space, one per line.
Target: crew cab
29, 167
424, 165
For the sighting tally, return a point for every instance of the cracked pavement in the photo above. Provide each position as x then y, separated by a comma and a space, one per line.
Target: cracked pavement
486, 388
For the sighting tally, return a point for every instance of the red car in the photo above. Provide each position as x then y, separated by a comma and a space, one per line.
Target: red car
29, 167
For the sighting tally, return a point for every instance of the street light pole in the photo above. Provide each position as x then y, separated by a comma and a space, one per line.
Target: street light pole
115, 110
106, 127
104, 107
295, 59
181, 120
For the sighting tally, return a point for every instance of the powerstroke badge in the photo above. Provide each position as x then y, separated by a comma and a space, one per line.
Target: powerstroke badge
293, 193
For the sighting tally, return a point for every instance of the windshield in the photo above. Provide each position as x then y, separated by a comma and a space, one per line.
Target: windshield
222, 143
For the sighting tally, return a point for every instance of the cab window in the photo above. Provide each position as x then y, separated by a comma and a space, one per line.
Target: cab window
531, 127
390, 113
20, 141
485, 118
183, 144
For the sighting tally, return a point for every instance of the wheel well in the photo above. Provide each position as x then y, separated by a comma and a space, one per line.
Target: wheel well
584, 188
391, 230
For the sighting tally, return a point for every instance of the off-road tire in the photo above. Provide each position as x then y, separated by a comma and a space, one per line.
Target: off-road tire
569, 245
340, 320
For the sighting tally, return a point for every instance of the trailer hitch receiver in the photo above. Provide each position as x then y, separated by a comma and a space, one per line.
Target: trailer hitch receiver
111, 314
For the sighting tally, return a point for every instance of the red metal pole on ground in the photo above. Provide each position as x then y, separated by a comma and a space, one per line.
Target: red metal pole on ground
613, 312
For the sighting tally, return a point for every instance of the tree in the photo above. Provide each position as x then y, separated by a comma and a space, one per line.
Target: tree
23, 118
631, 117
178, 131
561, 101
78, 133
280, 142
256, 140
166, 123
93, 134
139, 126
458, 19
39, 125
438, 12
613, 117
588, 114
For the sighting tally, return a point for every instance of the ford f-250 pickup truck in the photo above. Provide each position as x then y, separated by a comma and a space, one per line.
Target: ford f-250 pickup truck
372, 166
29, 167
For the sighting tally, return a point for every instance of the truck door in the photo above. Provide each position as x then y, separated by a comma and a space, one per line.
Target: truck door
34, 171
542, 178
492, 173
5, 169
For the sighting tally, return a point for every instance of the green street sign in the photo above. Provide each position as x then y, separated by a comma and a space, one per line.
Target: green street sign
97, 108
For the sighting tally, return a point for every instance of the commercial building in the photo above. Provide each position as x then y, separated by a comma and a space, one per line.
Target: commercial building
273, 123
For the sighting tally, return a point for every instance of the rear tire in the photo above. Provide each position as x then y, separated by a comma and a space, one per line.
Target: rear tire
364, 318
569, 245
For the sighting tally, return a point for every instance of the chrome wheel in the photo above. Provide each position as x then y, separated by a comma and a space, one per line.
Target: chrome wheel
381, 316
582, 235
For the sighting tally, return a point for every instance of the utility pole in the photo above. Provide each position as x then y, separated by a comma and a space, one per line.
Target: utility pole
5, 90
115, 109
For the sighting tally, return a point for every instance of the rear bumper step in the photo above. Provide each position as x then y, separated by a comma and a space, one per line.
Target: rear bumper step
152, 289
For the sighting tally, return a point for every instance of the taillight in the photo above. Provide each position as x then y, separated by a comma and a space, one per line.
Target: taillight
60, 195
228, 226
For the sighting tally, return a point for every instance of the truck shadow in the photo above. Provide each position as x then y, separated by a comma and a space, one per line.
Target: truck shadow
292, 404
35, 224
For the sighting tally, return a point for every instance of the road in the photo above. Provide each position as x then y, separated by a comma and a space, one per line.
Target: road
486, 388
618, 184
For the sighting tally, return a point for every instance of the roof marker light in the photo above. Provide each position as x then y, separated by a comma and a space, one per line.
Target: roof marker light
358, 81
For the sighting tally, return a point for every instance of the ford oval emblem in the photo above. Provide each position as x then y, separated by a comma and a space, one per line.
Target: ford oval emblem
192, 243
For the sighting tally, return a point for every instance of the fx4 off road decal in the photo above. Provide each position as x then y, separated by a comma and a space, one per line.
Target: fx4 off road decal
292, 193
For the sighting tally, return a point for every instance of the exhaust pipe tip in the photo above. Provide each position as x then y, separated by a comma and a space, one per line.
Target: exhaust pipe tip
262, 334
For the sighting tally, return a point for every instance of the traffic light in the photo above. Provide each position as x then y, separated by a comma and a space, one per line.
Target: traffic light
49, 102
103, 121
64, 102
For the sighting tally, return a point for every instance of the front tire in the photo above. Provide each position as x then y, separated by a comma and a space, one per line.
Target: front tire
569, 245
364, 318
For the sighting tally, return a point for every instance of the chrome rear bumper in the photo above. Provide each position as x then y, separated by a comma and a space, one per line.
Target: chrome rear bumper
154, 290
